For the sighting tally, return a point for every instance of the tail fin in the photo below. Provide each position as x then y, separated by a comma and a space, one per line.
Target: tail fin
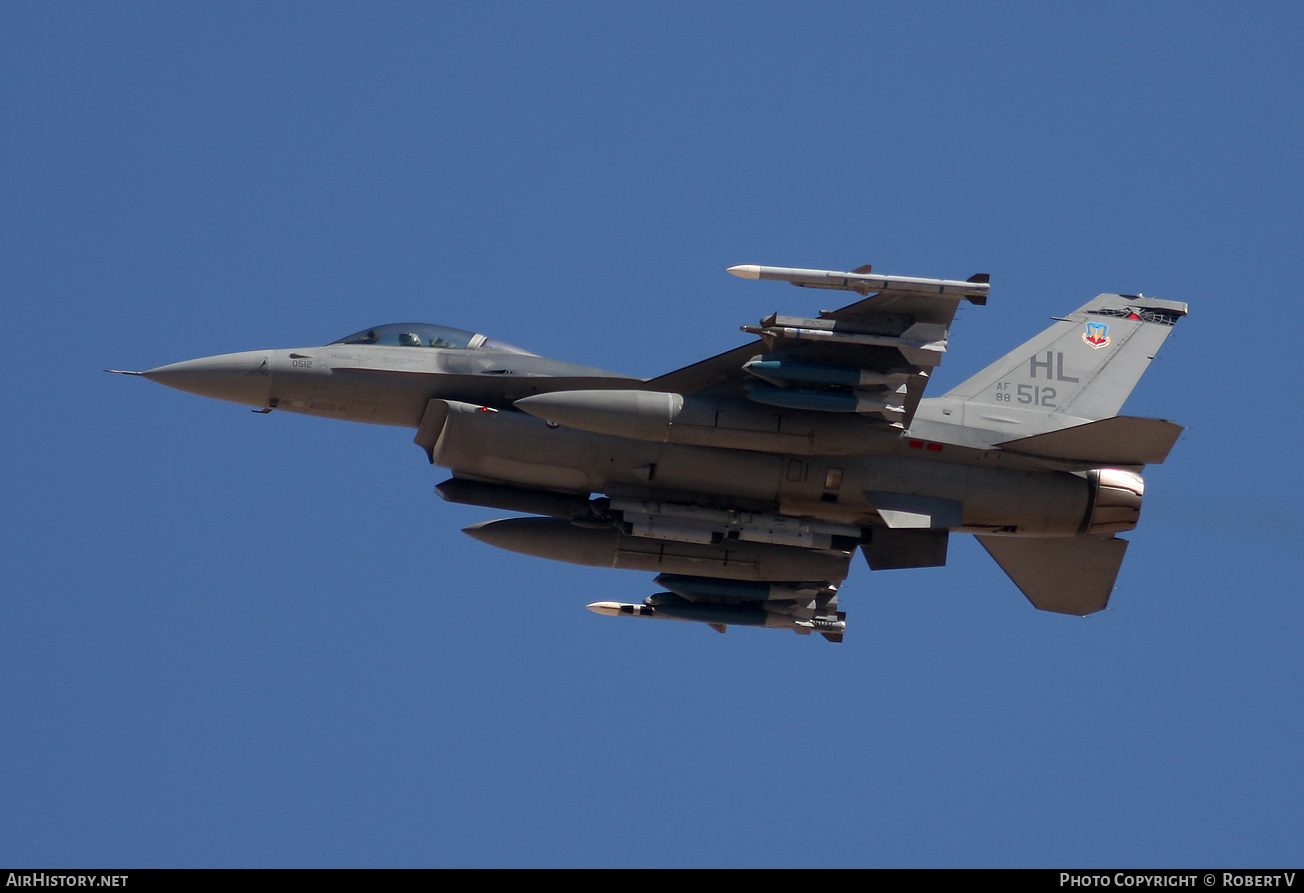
1081, 369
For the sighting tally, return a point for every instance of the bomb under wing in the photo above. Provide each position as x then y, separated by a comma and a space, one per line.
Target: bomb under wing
748, 481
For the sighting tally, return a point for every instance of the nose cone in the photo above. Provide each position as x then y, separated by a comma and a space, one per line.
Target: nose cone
244, 377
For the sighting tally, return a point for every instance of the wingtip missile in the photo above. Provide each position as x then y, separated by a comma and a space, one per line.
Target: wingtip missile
863, 280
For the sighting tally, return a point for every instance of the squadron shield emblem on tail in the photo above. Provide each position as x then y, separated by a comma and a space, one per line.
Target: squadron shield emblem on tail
1097, 335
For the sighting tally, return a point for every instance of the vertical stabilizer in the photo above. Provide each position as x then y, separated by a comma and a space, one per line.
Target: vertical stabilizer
1081, 369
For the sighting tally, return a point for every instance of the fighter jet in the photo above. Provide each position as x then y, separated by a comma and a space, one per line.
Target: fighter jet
748, 481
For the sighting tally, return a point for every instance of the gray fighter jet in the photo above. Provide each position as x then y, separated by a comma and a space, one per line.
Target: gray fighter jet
747, 481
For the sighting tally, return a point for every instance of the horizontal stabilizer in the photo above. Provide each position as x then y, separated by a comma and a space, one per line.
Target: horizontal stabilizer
1121, 440
1066, 575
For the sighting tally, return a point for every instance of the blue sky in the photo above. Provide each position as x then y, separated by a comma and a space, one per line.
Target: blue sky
229, 639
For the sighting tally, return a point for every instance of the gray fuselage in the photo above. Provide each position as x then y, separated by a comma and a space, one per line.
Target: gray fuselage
723, 452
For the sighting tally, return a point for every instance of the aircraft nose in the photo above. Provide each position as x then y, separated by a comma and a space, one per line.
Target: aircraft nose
244, 377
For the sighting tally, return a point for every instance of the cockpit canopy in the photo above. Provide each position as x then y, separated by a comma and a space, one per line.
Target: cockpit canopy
420, 334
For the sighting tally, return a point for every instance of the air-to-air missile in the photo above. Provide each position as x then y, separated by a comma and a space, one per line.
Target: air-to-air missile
801, 607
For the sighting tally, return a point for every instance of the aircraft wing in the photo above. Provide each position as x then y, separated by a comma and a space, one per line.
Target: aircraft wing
872, 357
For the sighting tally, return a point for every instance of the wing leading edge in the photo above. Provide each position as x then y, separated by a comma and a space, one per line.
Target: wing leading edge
872, 357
